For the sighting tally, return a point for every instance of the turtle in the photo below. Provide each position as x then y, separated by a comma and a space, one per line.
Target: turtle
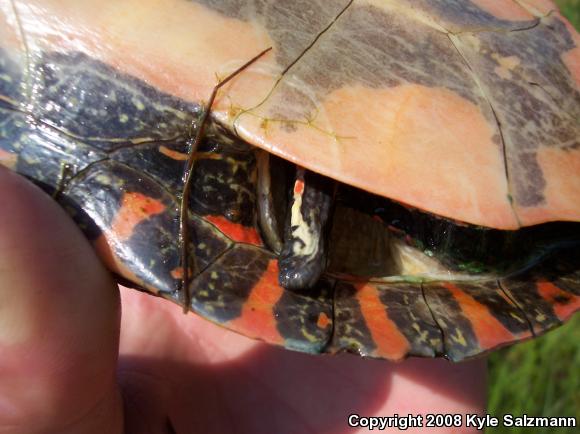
388, 179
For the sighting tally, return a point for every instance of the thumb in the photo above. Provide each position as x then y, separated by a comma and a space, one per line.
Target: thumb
59, 321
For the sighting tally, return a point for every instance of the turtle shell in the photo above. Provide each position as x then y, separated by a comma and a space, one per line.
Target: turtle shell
461, 109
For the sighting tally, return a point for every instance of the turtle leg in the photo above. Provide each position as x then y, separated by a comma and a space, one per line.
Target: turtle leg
303, 257
266, 209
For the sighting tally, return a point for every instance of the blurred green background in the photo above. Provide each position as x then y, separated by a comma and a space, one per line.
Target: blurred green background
540, 377
571, 9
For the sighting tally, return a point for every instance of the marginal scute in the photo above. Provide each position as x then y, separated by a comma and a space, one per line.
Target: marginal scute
240, 290
548, 293
150, 251
257, 318
351, 332
306, 318
459, 338
384, 320
220, 291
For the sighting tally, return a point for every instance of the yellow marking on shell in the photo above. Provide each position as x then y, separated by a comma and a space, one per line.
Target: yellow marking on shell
423, 334
541, 317
517, 317
138, 104
435, 342
103, 179
309, 336
459, 338
123, 118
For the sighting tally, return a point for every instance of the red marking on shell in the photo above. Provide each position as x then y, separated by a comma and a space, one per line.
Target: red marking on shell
323, 321
299, 187
235, 231
490, 332
135, 208
391, 343
564, 303
257, 318
177, 273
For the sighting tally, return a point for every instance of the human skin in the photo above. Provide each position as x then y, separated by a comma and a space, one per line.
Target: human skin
71, 363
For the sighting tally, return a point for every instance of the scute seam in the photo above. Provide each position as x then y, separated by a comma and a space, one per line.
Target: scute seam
497, 122
519, 308
443, 340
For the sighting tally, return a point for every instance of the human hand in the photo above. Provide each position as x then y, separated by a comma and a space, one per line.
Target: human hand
70, 364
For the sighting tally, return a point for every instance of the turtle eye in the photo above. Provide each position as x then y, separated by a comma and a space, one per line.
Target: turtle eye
233, 215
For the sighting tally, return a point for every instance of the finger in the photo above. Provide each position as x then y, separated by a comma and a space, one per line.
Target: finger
59, 321
446, 391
